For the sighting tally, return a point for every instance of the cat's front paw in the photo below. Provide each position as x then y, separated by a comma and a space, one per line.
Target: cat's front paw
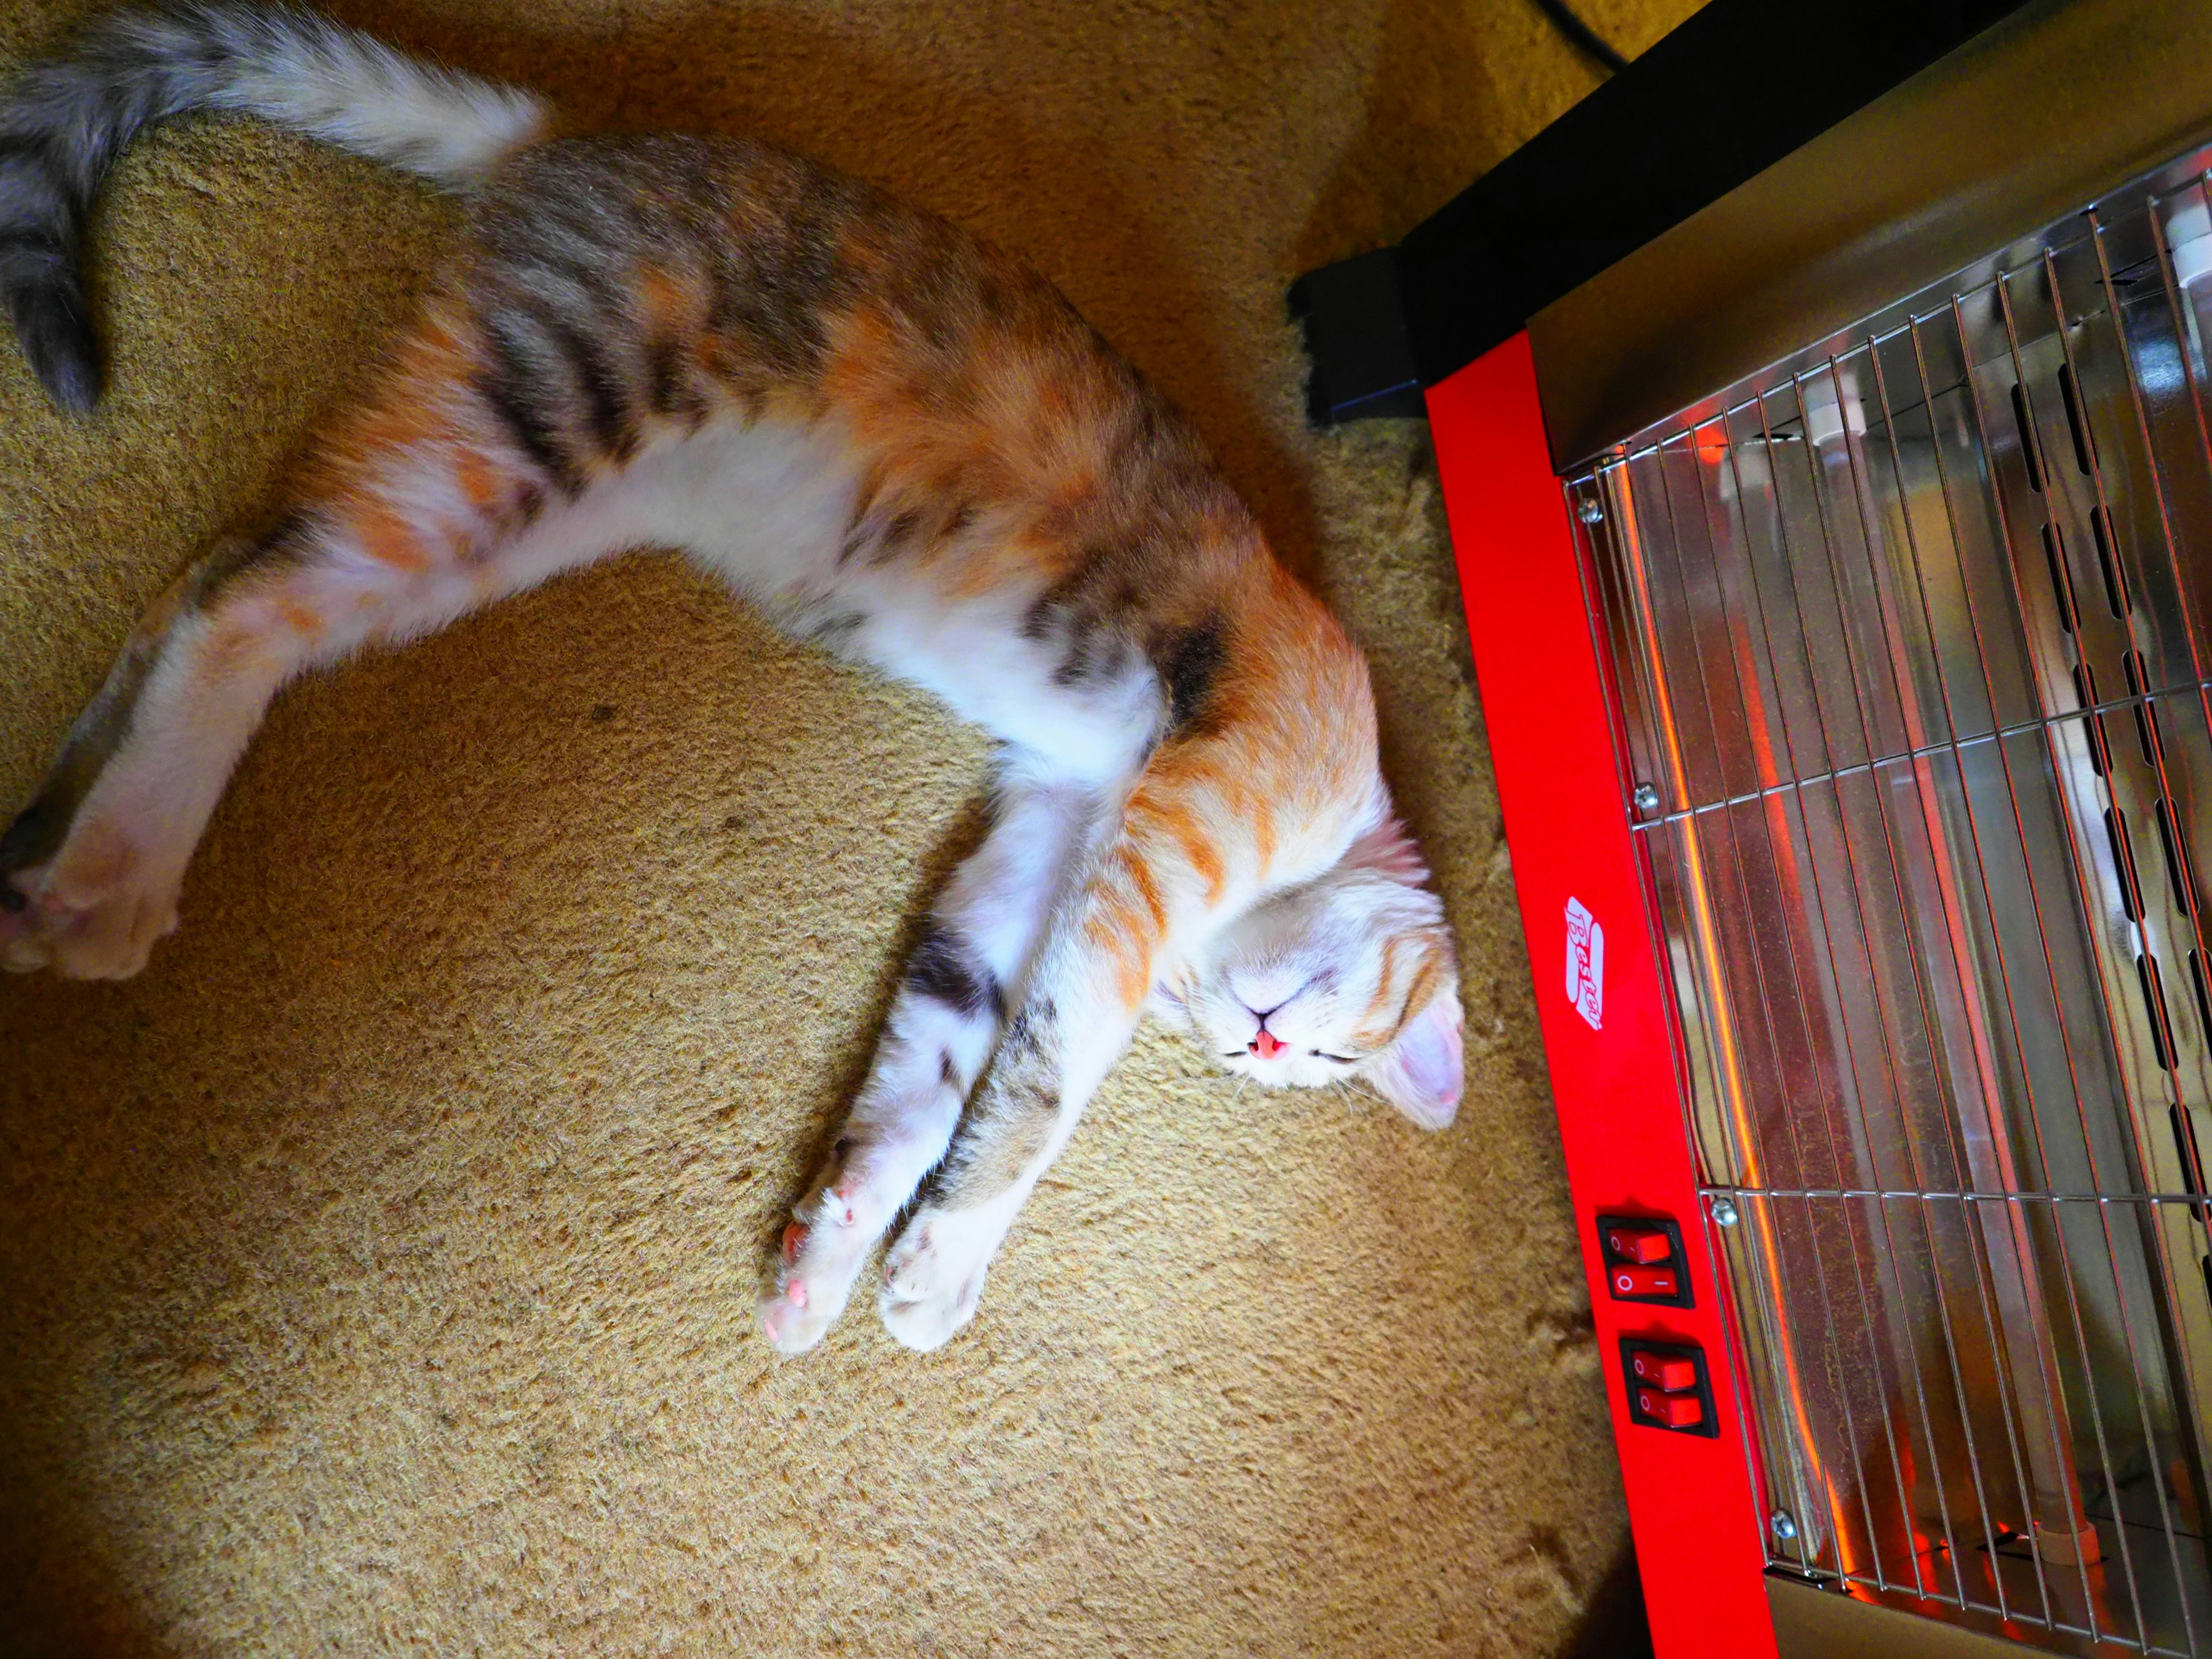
823, 1249
934, 1276
93, 910
792, 1321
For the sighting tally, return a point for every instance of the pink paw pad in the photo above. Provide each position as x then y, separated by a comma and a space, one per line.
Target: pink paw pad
794, 1236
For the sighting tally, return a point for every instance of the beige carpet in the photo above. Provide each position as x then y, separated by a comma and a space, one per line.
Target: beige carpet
376, 1274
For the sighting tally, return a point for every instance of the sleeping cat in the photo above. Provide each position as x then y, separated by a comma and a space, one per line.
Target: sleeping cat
897, 442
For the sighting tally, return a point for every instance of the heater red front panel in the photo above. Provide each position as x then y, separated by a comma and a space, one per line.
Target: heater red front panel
1604, 1012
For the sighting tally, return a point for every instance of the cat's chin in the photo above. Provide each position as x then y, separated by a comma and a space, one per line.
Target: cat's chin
1265, 1081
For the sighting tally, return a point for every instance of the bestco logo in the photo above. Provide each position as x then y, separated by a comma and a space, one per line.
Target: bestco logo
1585, 963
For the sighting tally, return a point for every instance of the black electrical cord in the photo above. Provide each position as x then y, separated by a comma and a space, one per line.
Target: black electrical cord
1592, 45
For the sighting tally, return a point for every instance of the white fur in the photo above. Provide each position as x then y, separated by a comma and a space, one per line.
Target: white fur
358, 93
767, 505
933, 1275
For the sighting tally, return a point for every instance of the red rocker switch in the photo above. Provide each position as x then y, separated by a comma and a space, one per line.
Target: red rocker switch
1641, 1245
1642, 1284
1671, 1410
1643, 1257
1667, 1388
1656, 1371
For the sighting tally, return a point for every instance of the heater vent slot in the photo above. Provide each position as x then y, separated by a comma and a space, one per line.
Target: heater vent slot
2108, 560
2061, 579
2076, 422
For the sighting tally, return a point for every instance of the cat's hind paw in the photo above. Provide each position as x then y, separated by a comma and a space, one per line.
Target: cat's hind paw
93, 911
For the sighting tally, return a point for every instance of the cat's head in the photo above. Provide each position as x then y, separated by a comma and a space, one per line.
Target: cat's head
1349, 977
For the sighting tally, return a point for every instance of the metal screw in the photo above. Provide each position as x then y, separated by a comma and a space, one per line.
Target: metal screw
1723, 1212
1645, 799
1784, 1527
1591, 511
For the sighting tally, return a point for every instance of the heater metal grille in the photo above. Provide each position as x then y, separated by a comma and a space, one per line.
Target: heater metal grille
1911, 637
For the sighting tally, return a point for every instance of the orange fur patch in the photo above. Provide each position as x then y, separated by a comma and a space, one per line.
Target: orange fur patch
1126, 935
1426, 974
1262, 821
1132, 977
236, 647
1381, 999
1182, 824
1425, 979
479, 480
99, 859
387, 540
669, 302
300, 617
410, 410
1148, 889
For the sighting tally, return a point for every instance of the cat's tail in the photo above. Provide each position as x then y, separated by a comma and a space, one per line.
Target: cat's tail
63, 122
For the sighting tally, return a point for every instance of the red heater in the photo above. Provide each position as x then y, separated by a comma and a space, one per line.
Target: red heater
1824, 412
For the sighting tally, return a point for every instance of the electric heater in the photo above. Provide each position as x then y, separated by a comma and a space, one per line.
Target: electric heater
1824, 418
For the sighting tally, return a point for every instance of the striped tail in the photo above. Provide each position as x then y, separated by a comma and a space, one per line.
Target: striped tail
63, 122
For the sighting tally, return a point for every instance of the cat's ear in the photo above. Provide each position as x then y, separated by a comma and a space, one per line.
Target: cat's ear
1387, 850
1421, 1071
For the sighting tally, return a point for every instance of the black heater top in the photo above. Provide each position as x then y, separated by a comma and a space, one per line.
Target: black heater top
1734, 89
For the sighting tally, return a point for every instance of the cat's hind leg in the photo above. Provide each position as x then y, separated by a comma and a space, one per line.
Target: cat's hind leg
972, 959
422, 503
89, 871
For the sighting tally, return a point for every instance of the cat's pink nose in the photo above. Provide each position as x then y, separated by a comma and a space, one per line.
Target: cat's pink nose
1267, 1045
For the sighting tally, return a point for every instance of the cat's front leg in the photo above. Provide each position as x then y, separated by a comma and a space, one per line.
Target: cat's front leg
1084, 998
932, 1049
973, 957
934, 1274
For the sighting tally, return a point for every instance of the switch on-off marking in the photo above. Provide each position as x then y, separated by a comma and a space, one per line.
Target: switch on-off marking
1645, 1281
1667, 1376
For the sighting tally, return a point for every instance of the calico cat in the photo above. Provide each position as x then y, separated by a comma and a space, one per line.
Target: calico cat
899, 442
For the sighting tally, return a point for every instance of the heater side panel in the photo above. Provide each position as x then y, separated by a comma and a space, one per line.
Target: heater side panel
1604, 1010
